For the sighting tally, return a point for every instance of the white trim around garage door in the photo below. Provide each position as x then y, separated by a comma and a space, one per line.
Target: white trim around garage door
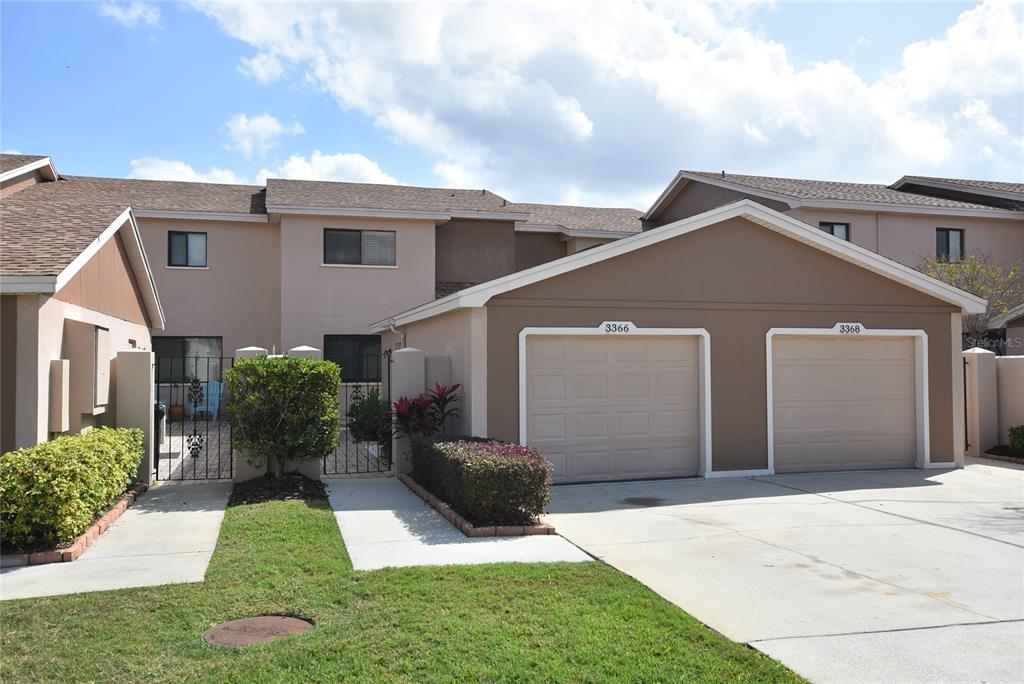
624, 329
842, 329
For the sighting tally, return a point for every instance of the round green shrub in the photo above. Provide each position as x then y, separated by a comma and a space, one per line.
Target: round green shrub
283, 410
52, 492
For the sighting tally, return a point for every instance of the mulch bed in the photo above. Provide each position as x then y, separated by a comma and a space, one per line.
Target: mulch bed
1003, 453
289, 486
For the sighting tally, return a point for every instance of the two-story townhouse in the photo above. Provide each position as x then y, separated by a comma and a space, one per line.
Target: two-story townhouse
914, 218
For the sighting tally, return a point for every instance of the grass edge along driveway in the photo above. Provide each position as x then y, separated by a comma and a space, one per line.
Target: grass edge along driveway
503, 622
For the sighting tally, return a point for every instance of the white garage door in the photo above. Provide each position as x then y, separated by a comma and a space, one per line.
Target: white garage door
607, 408
843, 403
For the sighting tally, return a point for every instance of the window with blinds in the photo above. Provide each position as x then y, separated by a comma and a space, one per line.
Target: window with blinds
359, 247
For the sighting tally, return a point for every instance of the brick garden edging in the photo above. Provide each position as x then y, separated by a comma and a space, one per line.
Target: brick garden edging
82, 541
466, 527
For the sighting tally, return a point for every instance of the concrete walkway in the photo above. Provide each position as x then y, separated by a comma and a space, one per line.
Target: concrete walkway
386, 525
167, 537
904, 575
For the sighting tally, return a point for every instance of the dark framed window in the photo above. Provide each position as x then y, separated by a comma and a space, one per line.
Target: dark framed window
949, 244
359, 247
186, 249
840, 230
178, 359
358, 356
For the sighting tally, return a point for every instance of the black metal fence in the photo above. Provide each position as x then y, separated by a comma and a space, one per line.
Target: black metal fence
193, 440
364, 435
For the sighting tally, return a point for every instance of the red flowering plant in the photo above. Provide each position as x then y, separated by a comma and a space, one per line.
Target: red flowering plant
428, 413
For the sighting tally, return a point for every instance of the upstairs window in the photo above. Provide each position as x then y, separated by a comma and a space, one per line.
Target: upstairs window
840, 230
187, 250
358, 356
359, 247
949, 244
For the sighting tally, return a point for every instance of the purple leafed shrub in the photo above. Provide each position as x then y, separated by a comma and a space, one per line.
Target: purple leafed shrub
485, 481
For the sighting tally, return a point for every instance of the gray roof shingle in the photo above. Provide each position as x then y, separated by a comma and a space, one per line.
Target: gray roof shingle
582, 218
42, 230
338, 195
968, 185
832, 190
9, 162
157, 195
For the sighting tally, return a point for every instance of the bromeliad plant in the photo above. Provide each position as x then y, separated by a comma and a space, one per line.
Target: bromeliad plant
427, 414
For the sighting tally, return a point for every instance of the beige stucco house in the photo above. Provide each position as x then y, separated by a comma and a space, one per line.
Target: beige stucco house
740, 325
75, 289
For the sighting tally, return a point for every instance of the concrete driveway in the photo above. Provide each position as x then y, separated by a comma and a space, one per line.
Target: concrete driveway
902, 575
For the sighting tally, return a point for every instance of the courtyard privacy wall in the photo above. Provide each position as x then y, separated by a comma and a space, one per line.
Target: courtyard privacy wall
487, 482
53, 491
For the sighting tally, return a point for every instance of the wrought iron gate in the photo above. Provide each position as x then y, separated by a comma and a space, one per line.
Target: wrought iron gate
364, 435
194, 437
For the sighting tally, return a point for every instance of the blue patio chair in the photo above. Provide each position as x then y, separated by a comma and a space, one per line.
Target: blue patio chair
211, 399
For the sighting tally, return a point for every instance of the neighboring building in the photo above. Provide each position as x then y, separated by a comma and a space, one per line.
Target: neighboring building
75, 289
906, 221
1013, 322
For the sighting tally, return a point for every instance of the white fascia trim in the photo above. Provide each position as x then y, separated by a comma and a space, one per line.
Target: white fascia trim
684, 177
911, 209
201, 215
125, 223
28, 284
921, 418
570, 232
364, 213
45, 164
704, 382
968, 189
479, 295
491, 215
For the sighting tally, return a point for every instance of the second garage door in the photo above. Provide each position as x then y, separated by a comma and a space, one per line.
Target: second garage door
606, 407
843, 403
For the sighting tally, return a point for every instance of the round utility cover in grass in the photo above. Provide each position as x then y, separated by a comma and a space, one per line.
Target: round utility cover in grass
254, 630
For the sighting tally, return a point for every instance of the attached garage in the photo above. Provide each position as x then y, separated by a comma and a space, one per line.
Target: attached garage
613, 407
733, 343
845, 401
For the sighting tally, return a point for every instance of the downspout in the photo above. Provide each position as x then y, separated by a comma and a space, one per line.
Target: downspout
401, 335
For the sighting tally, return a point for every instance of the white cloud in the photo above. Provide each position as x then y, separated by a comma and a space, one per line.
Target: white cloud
262, 67
257, 133
977, 112
154, 168
605, 102
352, 167
131, 13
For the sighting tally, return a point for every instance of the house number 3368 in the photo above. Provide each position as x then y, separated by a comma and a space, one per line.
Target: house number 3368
850, 329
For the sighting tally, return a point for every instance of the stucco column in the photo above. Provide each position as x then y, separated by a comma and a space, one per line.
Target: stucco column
306, 352
408, 378
981, 400
134, 402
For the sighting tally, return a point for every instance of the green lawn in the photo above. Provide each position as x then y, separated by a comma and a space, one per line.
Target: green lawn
565, 622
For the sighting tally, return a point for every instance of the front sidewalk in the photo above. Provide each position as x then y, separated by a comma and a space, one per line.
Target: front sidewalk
167, 537
386, 525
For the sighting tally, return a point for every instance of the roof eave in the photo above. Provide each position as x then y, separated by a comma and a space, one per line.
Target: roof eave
684, 177
970, 189
44, 166
479, 295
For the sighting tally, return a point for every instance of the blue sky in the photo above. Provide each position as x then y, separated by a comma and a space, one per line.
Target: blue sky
589, 104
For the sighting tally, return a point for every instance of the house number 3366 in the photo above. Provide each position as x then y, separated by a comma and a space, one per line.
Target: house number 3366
617, 326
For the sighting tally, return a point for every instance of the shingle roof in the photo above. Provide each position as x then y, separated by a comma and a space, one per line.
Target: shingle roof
338, 195
9, 162
168, 195
969, 185
831, 190
582, 218
42, 230
443, 289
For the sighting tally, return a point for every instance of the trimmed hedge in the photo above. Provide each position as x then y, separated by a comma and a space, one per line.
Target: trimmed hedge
52, 492
486, 481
